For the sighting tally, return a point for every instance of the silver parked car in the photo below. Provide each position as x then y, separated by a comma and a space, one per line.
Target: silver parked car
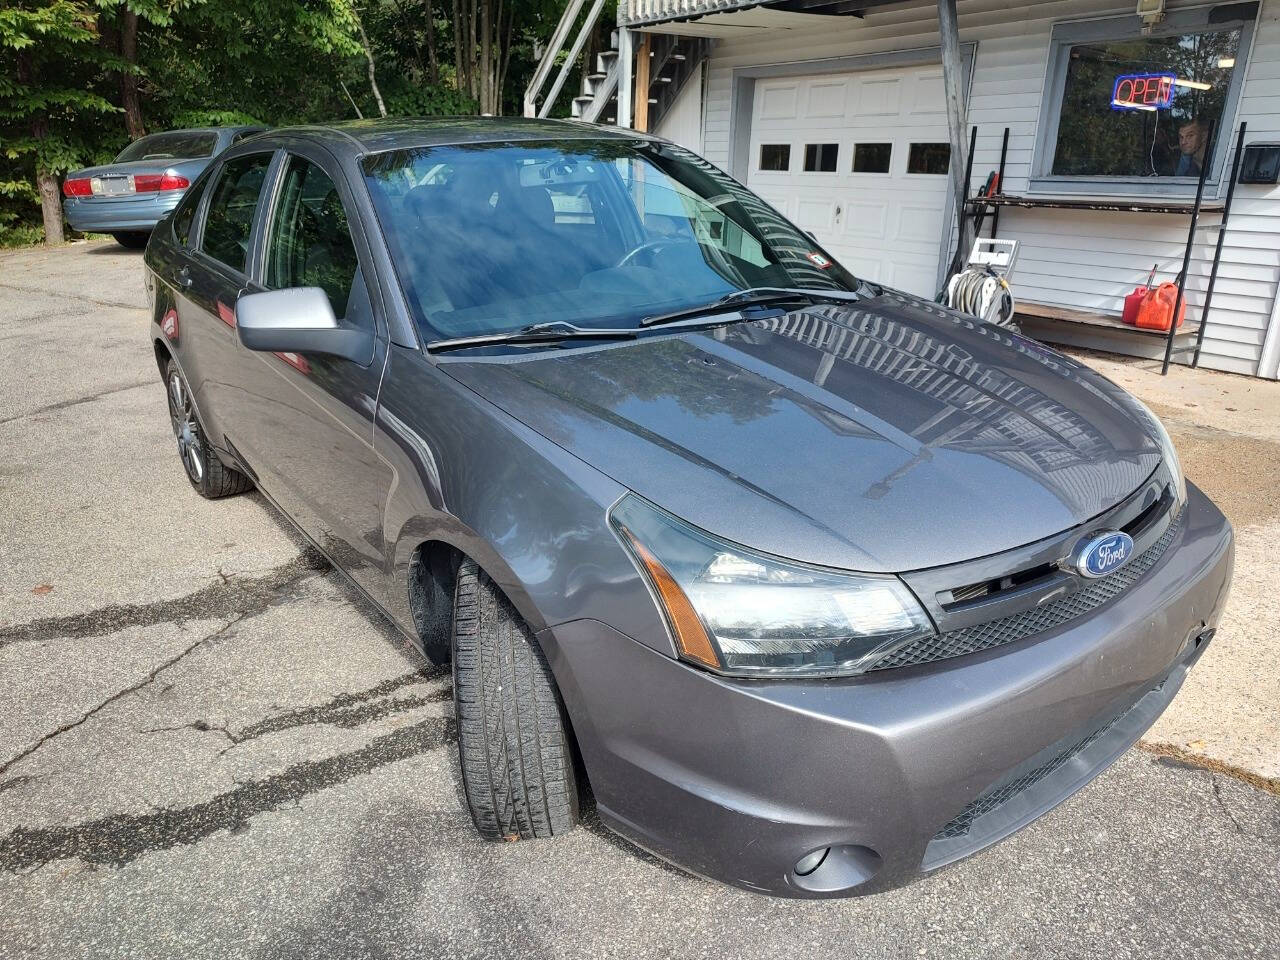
127, 198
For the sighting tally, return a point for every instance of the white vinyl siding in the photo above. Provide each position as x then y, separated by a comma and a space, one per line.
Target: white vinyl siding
682, 124
1080, 259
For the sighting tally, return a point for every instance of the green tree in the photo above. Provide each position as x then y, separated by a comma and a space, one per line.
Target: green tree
50, 58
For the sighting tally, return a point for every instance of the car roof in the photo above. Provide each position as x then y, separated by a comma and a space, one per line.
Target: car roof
374, 136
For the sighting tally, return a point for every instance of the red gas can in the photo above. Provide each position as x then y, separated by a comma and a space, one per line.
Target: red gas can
1156, 312
1132, 303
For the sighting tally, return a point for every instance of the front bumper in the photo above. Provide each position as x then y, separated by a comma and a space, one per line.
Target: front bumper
119, 214
898, 772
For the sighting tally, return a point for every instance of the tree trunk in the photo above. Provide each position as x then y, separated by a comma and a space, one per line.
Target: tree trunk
433, 65
373, 80
50, 206
473, 68
486, 56
505, 54
129, 80
459, 76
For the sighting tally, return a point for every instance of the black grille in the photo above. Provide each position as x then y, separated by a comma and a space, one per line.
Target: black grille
992, 800
983, 636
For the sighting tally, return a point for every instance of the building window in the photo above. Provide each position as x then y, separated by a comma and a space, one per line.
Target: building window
872, 157
775, 156
821, 157
1135, 112
929, 158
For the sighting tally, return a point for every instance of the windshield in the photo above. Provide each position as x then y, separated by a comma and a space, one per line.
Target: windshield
178, 145
489, 238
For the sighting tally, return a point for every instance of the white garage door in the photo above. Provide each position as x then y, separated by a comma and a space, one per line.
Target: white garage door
859, 160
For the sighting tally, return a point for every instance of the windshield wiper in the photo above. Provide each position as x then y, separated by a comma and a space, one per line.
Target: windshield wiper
753, 297
534, 333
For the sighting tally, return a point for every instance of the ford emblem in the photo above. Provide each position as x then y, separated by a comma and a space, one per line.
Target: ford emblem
1103, 554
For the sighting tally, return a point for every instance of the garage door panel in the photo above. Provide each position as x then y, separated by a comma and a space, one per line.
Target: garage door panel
778, 101
879, 97
918, 222
928, 96
866, 221
815, 215
827, 99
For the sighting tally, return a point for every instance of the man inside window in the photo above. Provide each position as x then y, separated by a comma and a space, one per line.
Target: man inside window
1192, 140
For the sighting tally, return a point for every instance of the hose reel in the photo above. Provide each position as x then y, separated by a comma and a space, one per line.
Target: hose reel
982, 289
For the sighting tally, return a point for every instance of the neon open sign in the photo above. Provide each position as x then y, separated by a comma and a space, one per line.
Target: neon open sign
1143, 91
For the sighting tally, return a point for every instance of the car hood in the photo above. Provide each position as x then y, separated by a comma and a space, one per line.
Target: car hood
887, 435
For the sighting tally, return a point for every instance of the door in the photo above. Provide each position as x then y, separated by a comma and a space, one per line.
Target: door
859, 160
304, 421
208, 286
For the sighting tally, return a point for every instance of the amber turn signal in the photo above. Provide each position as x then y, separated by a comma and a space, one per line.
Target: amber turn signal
691, 635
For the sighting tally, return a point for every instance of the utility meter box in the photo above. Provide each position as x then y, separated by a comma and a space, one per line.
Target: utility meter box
1261, 163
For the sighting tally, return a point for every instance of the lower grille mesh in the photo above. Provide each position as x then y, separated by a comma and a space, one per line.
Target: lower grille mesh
983, 636
992, 800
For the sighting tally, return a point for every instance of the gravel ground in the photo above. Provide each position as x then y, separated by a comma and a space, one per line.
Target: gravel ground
210, 748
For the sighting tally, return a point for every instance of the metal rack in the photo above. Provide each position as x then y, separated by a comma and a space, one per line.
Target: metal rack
978, 208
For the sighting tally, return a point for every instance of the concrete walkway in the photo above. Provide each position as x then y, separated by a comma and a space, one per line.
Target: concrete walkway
1227, 431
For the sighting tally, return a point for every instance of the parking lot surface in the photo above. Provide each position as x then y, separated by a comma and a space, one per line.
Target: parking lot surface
210, 747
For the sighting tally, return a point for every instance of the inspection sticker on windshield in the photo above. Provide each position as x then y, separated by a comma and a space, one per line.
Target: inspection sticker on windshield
818, 260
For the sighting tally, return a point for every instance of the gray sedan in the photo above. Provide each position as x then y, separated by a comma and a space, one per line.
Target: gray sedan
817, 585
127, 197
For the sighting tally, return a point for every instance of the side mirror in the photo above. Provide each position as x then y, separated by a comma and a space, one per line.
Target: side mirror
299, 320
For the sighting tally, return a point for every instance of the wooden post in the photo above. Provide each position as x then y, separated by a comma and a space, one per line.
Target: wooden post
957, 116
642, 83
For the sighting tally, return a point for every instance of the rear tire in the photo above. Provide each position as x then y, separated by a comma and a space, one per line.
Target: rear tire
513, 741
134, 239
210, 476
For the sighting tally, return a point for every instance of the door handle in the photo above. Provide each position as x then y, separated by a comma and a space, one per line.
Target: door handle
184, 277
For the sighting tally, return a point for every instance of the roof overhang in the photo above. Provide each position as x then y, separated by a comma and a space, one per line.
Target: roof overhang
729, 18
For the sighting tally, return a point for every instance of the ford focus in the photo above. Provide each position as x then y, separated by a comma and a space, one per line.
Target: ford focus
817, 586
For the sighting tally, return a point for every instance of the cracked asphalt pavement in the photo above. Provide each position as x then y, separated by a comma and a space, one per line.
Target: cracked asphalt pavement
209, 747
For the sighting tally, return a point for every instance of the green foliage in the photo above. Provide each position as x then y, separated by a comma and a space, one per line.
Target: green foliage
64, 66
428, 101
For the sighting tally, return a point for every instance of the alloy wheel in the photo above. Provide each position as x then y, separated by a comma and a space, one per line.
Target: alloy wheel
186, 428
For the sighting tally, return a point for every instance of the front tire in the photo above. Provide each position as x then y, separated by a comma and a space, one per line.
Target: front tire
513, 741
209, 475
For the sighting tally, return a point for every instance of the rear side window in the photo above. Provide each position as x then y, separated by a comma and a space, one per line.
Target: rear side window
229, 222
185, 215
310, 239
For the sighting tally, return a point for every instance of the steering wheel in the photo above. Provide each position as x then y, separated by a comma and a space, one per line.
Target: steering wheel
650, 246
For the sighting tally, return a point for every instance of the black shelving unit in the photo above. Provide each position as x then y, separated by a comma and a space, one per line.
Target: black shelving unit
978, 208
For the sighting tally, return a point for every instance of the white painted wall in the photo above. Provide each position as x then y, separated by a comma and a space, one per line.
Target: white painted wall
1082, 259
683, 122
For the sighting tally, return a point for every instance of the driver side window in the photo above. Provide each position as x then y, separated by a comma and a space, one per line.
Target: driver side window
309, 244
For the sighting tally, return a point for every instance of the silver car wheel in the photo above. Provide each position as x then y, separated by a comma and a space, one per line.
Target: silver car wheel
186, 428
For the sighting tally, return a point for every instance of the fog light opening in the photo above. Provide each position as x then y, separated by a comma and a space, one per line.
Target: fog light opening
811, 862
836, 869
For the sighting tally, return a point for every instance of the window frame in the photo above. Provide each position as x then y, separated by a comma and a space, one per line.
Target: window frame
337, 174
761, 168
1067, 34
818, 145
853, 158
195, 239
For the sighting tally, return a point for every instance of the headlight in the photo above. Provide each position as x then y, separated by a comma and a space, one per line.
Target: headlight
739, 612
1167, 450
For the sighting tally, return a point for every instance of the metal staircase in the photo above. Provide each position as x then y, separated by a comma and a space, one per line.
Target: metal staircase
672, 61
